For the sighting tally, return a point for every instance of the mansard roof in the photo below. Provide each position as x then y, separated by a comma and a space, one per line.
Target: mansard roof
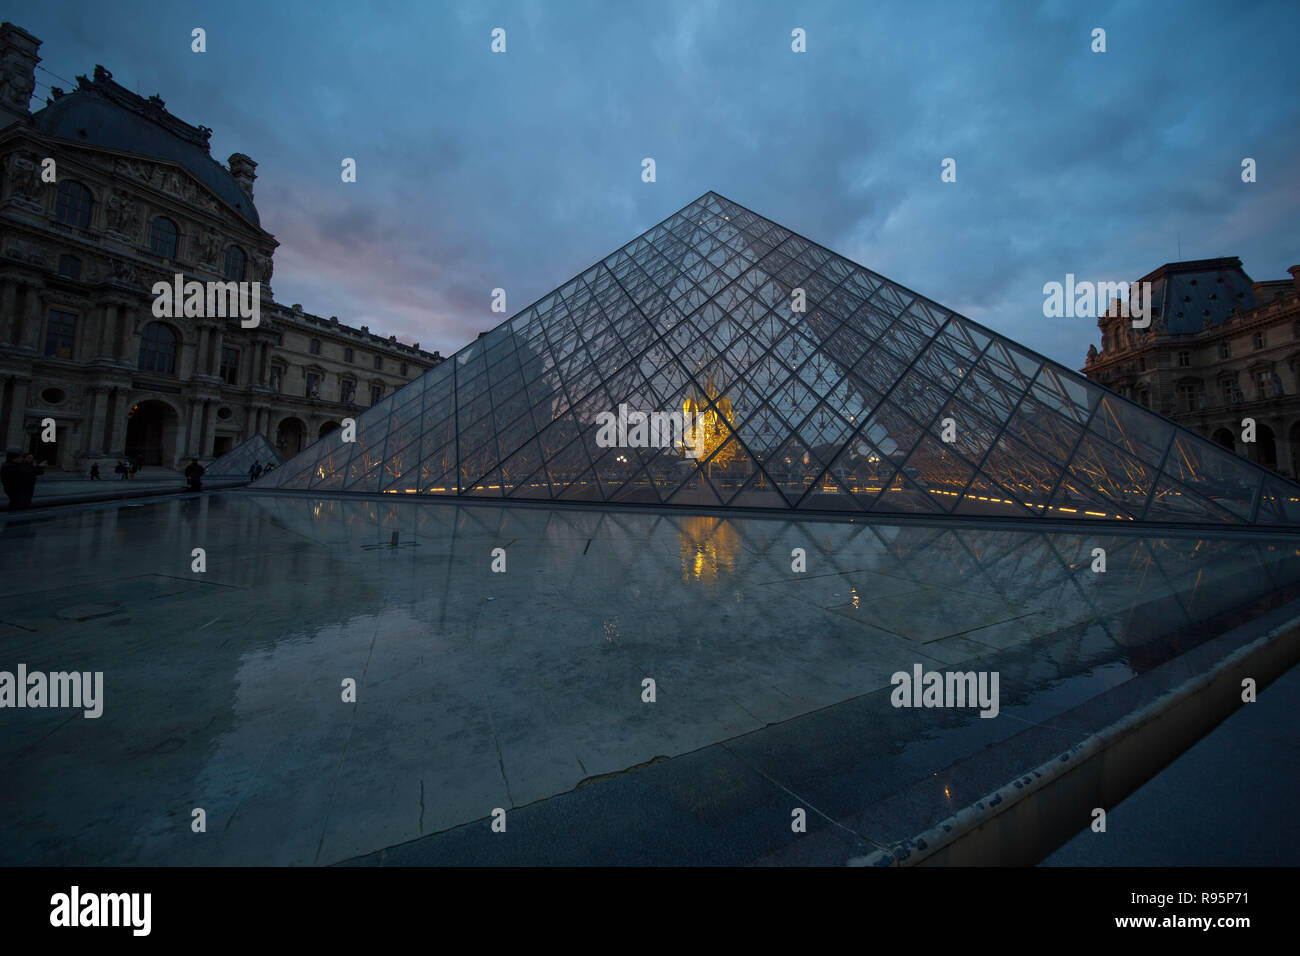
103, 113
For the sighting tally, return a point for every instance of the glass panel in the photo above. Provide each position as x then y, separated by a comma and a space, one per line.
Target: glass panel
1174, 502
1135, 430
1215, 473
1279, 503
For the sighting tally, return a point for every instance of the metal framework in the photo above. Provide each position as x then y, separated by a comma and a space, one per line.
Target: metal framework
871, 400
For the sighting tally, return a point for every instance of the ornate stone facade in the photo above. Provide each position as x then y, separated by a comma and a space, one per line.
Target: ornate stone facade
1221, 348
79, 343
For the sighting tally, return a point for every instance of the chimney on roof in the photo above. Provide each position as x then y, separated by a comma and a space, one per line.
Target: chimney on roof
1295, 277
18, 60
242, 168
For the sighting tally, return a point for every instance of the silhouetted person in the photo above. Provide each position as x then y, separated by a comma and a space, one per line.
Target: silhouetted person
120, 468
94, 472
11, 477
193, 472
253, 471
19, 473
135, 466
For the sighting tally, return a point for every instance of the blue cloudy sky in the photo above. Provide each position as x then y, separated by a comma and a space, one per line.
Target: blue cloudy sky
478, 170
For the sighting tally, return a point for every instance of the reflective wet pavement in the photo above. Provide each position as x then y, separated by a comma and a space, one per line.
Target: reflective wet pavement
478, 690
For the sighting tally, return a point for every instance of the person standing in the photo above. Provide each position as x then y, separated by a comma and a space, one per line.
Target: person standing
11, 477
32, 469
18, 475
94, 472
193, 474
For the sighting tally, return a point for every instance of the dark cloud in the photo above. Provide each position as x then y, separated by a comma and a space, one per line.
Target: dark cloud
518, 171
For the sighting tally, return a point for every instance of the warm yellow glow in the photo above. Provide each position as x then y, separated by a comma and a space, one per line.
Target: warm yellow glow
708, 426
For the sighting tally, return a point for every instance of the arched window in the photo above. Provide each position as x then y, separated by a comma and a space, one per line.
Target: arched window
235, 260
72, 205
163, 236
158, 349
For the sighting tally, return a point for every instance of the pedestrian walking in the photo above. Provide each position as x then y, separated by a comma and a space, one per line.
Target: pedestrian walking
94, 472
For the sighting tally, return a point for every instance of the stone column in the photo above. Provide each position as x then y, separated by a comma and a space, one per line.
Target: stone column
193, 439
214, 355
200, 350
32, 336
94, 421
14, 434
108, 319
115, 432
125, 326
8, 312
209, 427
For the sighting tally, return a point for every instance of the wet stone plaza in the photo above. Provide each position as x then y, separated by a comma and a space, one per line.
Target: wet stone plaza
523, 690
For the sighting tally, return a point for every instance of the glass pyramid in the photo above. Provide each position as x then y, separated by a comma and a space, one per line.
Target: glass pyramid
839, 408
237, 461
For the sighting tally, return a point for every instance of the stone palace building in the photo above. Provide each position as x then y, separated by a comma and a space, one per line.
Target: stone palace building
136, 198
1220, 348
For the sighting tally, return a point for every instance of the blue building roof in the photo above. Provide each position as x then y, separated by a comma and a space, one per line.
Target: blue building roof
1190, 294
104, 113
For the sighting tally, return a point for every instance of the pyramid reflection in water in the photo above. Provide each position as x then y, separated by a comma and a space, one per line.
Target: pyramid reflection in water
839, 408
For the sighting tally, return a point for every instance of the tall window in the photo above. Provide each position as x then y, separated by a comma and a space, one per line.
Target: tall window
229, 365
347, 355
1259, 339
1186, 394
312, 387
163, 235
1184, 359
277, 377
158, 349
376, 393
70, 267
235, 260
1264, 379
60, 334
347, 390
403, 369
1225, 349
72, 204
379, 361
315, 347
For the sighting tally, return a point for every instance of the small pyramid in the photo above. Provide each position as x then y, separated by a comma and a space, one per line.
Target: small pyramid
237, 461
872, 399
